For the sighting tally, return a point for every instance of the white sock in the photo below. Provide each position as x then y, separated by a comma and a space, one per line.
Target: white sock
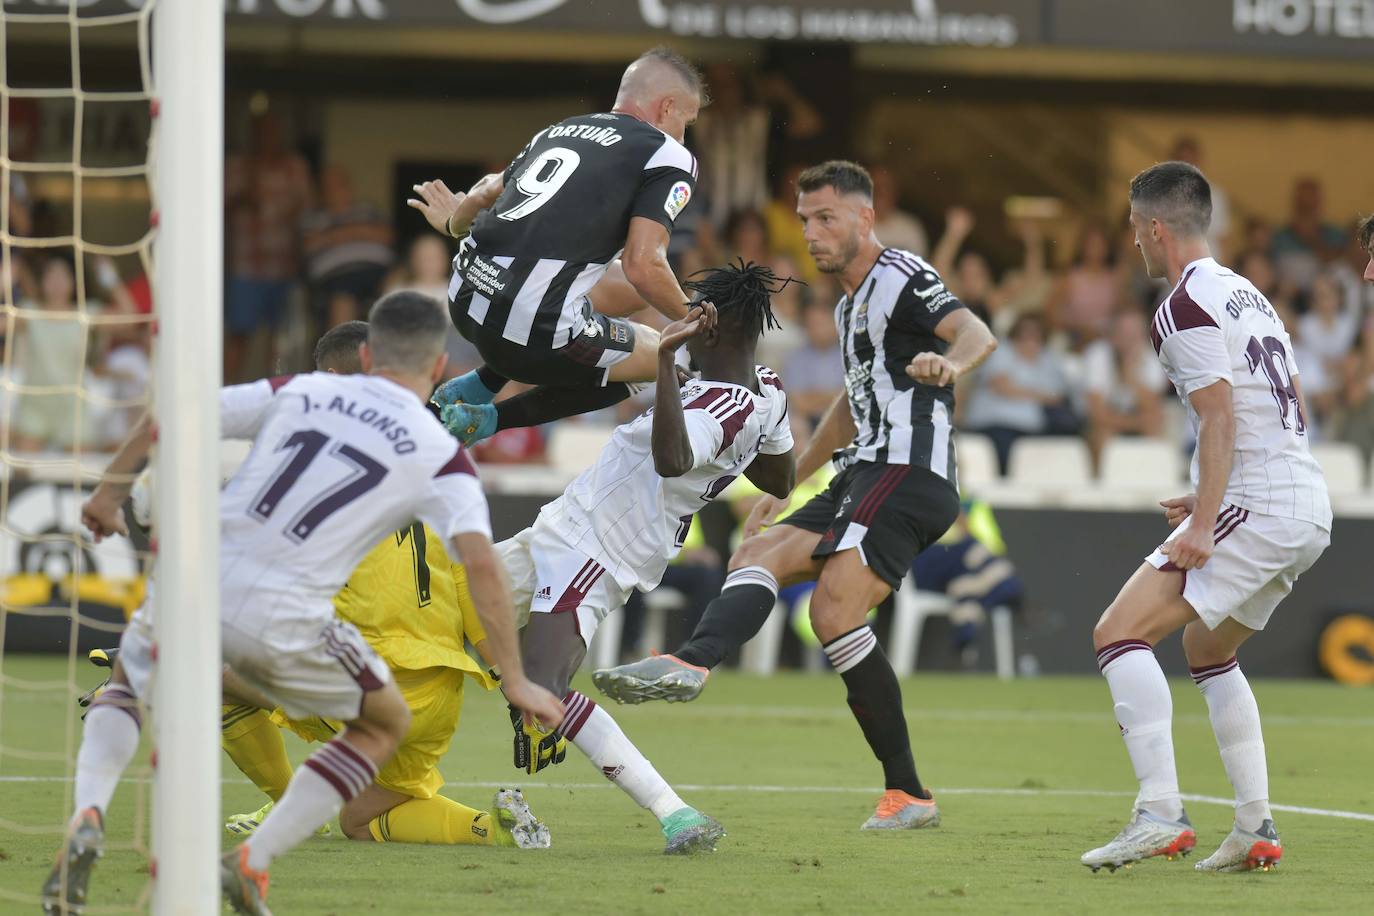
334, 774
109, 741
1144, 710
598, 736
1235, 720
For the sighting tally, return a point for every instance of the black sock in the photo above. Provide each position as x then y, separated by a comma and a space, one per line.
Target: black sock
732, 619
875, 698
493, 380
546, 404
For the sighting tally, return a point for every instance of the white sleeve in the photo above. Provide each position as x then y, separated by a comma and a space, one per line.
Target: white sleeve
778, 440
243, 408
457, 504
1198, 356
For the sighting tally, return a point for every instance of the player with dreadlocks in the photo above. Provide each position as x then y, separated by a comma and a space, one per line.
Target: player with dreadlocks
616, 527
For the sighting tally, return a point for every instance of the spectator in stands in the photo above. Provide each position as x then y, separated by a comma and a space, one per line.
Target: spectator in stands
731, 137
52, 351
348, 251
895, 227
1329, 328
1086, 294
1123, 383
784, 228
1187, 149
1307, 241
1321, 388
969, 276
1353, 420
122, 372
266, 191
814, 372
1020, 391
427, 269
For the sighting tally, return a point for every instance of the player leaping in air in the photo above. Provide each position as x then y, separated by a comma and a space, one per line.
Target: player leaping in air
616, 527
539, 236
289, 542
905, 339
1259, 516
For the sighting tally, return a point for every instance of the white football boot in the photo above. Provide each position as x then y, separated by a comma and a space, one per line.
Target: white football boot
1146, 835
1246, 851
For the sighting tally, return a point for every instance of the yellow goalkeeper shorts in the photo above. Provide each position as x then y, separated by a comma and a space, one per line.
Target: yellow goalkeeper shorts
435, 698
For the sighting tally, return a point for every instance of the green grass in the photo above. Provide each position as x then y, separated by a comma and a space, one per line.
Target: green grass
798, 849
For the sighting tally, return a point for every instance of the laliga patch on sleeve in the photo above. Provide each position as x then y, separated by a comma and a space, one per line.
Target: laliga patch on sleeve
677, 199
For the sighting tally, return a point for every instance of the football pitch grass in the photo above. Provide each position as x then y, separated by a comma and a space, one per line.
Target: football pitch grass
1029, 774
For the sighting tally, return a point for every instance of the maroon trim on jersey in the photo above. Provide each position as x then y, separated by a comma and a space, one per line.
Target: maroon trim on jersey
771, 378
578, 588
709, 398
732, 424
1184, 313
277, 381
1112, 651
460, 463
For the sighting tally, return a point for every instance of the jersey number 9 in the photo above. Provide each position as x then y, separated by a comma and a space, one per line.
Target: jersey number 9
540, 180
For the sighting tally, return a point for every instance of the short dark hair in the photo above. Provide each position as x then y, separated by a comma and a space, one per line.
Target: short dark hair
405, 330
844, 176
337, 348
1176, 194
684, 68
1366, 233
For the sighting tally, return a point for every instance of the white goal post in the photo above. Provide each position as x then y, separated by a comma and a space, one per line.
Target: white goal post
188, 63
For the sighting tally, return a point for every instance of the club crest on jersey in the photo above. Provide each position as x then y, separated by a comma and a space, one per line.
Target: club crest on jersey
619, 333
861, 318
677, 199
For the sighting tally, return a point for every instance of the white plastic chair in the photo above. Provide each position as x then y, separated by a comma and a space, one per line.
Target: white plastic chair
913, 607
1050, 461
1141, 464
1342, 466
977, 461
573, 447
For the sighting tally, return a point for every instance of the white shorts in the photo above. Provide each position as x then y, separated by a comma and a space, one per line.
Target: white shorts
303, 659
549, 576
136, 649
1253, 567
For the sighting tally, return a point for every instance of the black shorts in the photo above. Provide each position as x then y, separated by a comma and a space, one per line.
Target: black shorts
890, 512
585, 362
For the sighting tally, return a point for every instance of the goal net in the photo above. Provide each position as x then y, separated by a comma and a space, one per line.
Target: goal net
110, 178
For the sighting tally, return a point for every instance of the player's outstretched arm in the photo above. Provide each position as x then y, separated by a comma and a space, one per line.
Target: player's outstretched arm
491, 596
672, 446
102, 513
1216, 440
835, 431
646, 267
970, 342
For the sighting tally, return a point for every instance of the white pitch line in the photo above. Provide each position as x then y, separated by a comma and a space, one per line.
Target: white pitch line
985, 715
827, 790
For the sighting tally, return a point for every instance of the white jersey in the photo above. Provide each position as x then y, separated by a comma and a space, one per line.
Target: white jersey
1216, 326
622, 514
338, 462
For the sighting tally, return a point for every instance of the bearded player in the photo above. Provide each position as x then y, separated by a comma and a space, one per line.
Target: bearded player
617, 526
1258, 517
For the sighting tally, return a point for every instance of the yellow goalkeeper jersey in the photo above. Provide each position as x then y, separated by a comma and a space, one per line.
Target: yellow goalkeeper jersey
411, 604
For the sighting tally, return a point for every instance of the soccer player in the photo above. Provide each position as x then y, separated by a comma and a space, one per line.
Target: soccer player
905, 339
287, 549
1366, 235
411, 603
581, 193
1258, 517
616, 527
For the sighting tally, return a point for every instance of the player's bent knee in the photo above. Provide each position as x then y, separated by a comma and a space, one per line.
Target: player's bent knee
354, 826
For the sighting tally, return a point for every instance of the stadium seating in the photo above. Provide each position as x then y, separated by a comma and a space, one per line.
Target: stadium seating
573, 447
1141, 464
977, 460
1342, 465
912, 607
1053, 462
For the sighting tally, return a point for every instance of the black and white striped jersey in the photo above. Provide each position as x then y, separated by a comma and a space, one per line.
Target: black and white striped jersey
890, 319
562, 219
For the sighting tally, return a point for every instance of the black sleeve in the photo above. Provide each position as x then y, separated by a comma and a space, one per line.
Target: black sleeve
924, 301
663, 194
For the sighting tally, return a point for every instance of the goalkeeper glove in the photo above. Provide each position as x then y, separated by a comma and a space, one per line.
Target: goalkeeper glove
535, 748
101, 658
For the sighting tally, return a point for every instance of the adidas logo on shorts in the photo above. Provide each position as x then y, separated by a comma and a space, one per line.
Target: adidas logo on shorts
544, 594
